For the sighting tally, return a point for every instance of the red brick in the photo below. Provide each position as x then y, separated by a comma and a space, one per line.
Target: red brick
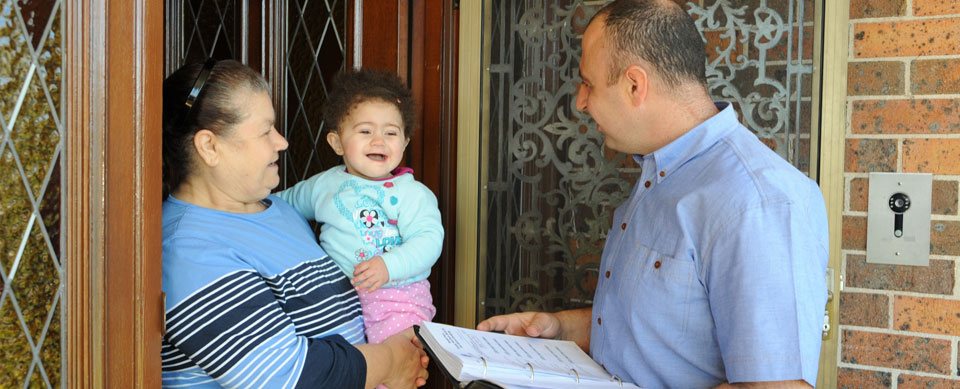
904, 352
864, 309
870, 155
779, 50
861, 9
875, 78
944, 237
935, 76
924, 314
945, 198
854, 233
937, 278
716, 44
859, 194
937, 156
944, 201
906, 38
915, 116
848, 378
935, 7
907, 381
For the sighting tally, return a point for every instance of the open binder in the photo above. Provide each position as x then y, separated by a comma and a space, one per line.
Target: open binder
475, 359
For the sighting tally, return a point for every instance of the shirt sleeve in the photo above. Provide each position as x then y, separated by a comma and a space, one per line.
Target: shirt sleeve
234, 328
420, 226
765, 276
303, 196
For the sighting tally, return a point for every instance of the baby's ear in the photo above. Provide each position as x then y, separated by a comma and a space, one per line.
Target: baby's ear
333, 139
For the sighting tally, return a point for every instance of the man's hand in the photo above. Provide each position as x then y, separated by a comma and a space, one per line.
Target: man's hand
532, 324
370, 274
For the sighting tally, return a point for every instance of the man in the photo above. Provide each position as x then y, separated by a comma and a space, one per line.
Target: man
713, 272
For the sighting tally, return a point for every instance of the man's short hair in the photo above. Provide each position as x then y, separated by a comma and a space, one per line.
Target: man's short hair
658, 32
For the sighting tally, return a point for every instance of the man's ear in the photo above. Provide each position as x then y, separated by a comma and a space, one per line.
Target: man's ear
205, 142
638, 82
333, 139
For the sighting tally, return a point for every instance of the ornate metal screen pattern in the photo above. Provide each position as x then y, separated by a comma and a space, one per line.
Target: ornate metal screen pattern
552, 187
315, 53
31, 142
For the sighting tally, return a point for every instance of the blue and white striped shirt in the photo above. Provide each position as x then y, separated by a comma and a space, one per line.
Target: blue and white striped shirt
253, 301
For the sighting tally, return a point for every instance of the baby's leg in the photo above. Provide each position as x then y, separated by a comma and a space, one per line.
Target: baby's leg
388, 311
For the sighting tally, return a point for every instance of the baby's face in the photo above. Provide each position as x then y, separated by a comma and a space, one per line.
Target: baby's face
370, 139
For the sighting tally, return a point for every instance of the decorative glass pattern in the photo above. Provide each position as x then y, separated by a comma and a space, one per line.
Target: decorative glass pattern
30, 147
210, 28
315, 53
552, 186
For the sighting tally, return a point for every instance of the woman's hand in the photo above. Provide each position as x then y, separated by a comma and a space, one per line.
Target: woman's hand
371, 274
398, 362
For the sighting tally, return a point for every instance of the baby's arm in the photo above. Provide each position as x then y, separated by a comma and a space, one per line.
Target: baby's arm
422, 231
303, 196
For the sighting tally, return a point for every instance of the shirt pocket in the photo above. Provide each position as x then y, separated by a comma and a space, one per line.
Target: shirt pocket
659, 292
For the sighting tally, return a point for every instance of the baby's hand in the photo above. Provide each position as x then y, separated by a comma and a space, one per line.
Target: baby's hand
371, 274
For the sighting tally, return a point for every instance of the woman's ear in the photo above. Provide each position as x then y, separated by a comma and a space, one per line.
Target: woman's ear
205, 142
639, 84
333, 138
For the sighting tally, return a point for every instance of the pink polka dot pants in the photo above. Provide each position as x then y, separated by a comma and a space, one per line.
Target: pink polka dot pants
388, 311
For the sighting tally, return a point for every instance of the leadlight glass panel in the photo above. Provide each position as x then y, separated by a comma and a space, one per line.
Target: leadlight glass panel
316, 32
30, 146
210, 28
552, 186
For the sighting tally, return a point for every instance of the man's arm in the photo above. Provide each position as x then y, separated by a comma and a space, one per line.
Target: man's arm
573, 325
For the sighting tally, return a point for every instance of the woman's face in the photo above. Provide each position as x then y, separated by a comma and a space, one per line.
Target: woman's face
248, 157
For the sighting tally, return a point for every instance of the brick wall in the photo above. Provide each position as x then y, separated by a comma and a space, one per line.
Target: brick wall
900, 325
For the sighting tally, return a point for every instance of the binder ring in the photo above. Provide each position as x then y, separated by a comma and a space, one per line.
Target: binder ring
619, 381
483, 374
531, 371
576, 374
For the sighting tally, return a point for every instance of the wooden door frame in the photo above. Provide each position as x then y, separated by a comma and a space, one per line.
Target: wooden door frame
113, 72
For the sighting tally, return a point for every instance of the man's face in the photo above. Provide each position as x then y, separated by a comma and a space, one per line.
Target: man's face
606, 103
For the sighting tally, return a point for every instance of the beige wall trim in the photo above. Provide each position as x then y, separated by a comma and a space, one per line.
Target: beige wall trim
836, 16
468, 162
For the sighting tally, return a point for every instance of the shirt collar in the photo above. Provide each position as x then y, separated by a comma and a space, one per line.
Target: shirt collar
668, 158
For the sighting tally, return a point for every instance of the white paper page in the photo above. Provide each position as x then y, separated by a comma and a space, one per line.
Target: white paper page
515, 352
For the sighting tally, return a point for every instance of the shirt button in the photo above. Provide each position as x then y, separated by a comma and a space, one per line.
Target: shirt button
598, 320
608, 274
663, 173
656, 264
646, 184
623, 226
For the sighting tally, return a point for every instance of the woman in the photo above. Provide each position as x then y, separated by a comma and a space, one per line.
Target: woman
251, 299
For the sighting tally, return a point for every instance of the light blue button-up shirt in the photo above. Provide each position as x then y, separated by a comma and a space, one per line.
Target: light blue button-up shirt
716, 266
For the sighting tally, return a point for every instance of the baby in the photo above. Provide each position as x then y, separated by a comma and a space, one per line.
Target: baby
380, 226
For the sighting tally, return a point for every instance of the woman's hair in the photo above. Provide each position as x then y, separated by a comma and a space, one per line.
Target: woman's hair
352, 87
214, 108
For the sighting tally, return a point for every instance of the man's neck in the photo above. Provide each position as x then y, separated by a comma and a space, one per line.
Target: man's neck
680, 111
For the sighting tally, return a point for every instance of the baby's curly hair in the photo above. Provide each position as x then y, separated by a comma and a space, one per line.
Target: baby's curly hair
352, 87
